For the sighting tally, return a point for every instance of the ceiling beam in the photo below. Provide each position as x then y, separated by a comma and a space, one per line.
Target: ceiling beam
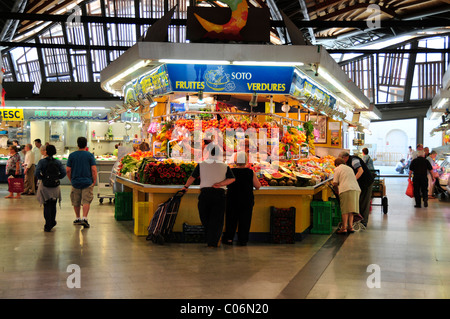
423, 23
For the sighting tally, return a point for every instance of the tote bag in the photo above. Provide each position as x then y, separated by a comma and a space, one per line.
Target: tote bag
410, 189
15, 185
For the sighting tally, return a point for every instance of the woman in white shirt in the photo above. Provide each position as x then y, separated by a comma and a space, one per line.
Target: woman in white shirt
345, 181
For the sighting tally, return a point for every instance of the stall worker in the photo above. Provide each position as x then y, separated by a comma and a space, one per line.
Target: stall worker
214, 176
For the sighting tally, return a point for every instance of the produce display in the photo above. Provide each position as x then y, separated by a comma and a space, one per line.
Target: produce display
290, 140
145, 169
290, 170
130, 162
304, 172
164, 172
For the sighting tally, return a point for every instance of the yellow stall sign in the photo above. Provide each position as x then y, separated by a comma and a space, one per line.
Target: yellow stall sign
11, 114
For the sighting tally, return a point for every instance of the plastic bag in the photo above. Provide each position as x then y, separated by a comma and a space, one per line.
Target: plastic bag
410, 189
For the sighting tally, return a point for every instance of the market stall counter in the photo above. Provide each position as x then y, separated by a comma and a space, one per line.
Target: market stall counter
147, 197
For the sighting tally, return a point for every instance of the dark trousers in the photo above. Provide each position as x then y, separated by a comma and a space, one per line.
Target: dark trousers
238, 214
364, 203
211, 208
420, 184
50, 213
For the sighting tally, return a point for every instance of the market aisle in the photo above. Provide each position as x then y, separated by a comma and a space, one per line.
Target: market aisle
409, 246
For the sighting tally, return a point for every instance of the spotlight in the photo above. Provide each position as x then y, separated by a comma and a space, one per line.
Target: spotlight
141, 101
152, 102
186, 104
285, 107
308, 100
254, 100
200, 97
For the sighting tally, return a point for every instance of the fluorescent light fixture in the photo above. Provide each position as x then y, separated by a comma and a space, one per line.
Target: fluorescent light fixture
125, 73
267, 63
254, 100
32, 107
441, 103
90, 108
341, 88
182, 61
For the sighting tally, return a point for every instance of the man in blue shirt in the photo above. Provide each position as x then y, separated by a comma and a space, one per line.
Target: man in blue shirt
82, 173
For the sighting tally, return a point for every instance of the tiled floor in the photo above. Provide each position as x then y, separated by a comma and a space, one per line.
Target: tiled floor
408, 245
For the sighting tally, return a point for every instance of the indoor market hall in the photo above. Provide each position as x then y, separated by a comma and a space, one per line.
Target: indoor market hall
246, 158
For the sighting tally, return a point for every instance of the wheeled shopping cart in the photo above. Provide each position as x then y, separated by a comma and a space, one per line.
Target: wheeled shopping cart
105, 186
379, 191
161, 224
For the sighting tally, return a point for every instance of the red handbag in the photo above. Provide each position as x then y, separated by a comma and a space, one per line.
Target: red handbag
410, 189
15, 185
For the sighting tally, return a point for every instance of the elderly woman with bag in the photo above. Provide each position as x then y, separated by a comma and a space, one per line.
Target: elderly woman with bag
13, 171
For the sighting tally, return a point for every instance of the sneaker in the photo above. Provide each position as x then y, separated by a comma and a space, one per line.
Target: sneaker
85, 223
78, 221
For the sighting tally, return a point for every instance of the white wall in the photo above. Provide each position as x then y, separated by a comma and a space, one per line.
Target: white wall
386, 135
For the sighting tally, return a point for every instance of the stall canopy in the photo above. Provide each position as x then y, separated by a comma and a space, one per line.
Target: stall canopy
305, 73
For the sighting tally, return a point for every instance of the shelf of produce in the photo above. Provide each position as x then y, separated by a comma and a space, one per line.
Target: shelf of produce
147, 197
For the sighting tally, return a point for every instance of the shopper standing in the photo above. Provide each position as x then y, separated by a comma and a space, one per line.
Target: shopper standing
420, 166
349, 192
48, 193
82, 173
365, 181
29, 169
214, 176
37, 156
240, 201
434, 176
13, 167
416, 152
367, 159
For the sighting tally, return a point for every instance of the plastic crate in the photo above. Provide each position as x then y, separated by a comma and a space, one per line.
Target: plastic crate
193, 233
123, 208
322, 212
336, 215
282, 225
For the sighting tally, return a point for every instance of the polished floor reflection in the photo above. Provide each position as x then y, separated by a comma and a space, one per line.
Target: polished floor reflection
407, 248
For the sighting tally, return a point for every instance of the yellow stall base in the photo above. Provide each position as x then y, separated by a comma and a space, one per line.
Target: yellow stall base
146, 199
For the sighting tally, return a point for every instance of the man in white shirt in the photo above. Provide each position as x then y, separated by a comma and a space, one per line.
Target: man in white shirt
37, 151
214, 176
345, 181
29, 168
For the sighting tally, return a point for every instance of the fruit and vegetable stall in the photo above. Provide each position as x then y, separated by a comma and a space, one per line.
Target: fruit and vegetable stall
292, 181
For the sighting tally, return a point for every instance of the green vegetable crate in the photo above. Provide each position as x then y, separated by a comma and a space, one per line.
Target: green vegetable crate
322, 212
336, 216
123, 209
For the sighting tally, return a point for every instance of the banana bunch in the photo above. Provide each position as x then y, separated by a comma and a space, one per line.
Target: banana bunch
312, 147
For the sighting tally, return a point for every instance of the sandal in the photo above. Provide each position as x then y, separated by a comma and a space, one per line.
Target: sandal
341, 231
350, 230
